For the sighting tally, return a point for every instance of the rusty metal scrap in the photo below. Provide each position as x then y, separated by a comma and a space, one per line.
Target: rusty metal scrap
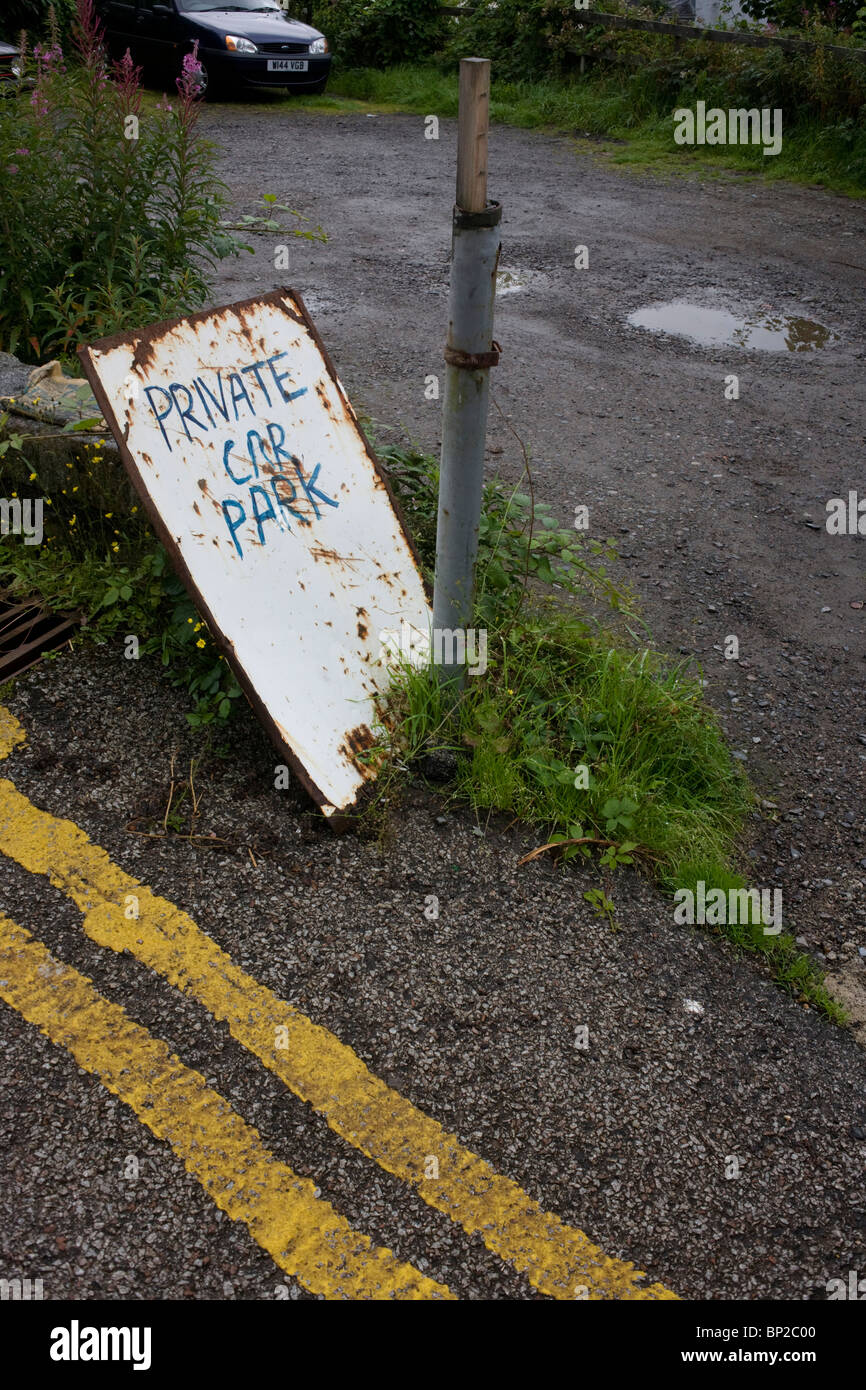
28, 631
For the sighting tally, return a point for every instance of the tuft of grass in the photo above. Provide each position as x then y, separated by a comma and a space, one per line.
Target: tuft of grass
781, 953
555, 700
598, 744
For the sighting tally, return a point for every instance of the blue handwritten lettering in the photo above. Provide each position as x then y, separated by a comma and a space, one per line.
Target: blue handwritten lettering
240, 393
186, 413
234, 525
229, 446
256, 369
310, 488
259, 516
148, 390
284, 503
280, 377
220, 404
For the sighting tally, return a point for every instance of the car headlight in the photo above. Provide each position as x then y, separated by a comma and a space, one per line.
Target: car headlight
15, 69
319, 46
235, 45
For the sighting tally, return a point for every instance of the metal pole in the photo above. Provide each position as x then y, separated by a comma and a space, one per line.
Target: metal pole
469, 354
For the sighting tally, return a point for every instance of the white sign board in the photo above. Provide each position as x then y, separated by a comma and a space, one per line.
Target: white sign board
249, 459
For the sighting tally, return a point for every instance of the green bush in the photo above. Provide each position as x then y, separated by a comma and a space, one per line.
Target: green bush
535, 39
377, 33
107, 219
795, 14
522, 38
35, 18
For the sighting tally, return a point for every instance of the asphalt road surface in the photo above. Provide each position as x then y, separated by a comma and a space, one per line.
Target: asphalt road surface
248, 1065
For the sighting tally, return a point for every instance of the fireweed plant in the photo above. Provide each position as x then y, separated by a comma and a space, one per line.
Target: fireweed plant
109, 216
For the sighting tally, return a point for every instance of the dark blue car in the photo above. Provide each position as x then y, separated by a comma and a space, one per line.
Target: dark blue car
248, 43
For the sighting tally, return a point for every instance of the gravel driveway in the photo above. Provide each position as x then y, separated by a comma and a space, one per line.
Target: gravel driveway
710, 500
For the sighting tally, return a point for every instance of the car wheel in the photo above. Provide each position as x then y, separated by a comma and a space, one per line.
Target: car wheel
209, 87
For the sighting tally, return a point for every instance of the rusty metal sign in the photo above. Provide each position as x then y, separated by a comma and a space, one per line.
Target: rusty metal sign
248, 456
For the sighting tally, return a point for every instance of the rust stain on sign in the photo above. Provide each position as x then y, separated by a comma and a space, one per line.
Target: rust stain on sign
241, 406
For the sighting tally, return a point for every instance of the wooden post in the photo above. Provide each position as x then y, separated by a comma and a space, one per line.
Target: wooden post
474, 112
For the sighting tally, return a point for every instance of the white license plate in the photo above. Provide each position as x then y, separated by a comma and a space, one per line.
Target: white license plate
288, 65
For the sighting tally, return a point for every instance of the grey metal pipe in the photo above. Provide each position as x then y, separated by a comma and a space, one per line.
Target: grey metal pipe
469, 355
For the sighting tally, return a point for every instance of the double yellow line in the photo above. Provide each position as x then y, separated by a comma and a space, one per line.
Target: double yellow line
303, 1234
121, 913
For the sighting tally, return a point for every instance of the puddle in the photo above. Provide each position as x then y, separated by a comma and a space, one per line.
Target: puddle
768, 332
510, 280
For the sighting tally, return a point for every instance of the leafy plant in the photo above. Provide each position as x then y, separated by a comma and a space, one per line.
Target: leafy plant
602, 905
381, 32
615, 855
268, 222
616, 814
518, 540
573, 842
121, 583
107, 219
9, 441
794, 14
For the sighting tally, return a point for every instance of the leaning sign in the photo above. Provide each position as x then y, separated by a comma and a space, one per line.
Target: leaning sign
259, 482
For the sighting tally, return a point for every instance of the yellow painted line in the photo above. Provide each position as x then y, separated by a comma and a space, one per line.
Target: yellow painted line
557, 1259
11, 732
301, 1232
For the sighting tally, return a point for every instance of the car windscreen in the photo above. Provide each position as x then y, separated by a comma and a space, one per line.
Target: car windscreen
250, 6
